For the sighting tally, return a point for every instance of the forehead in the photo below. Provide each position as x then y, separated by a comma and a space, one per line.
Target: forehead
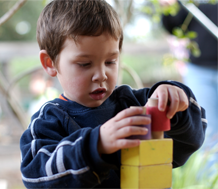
103, 43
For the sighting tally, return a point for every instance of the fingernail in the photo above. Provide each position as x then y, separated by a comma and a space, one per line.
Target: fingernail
161, 109
145, 129
169, 117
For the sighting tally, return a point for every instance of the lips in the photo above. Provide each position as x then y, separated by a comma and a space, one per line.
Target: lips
98, 94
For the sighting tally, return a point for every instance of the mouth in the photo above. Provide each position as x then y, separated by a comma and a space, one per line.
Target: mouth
98, 94
99, 90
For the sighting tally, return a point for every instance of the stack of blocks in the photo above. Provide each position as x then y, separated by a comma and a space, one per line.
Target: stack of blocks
147, 166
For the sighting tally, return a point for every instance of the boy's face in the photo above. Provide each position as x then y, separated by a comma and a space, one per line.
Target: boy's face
88, 69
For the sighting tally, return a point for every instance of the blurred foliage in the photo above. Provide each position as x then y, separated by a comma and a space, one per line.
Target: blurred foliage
155, 11
192, 46
149, 68
28, 14
199, 172
213, 1
18, 65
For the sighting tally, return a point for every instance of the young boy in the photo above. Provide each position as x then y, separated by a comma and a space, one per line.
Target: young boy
74, 141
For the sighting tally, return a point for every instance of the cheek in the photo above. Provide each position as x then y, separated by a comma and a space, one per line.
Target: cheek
114, 76
77, 84
71, 78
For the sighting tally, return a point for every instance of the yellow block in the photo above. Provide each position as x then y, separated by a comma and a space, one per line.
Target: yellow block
146, 177
149, 152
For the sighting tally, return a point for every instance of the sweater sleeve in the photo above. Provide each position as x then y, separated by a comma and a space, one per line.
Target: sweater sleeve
54, 152
187, 127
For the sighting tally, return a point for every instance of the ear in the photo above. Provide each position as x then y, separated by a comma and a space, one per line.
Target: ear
47, 63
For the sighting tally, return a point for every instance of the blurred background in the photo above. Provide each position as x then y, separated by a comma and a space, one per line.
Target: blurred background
150, 54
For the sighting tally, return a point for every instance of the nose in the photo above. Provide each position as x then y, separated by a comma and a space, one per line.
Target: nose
99, 75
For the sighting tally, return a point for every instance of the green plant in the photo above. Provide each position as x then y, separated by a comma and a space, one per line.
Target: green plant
196, 173
155, 11
19, 65
149, 68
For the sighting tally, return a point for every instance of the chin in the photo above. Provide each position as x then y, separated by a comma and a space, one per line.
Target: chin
95, 104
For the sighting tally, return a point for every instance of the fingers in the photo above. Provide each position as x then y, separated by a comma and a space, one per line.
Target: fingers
163, 98
178, 101
110, 142
133, 121
162, 94
113, 133
125, 143
172, 95
132, 126
128, 113
184, 102
174, 99
131, 130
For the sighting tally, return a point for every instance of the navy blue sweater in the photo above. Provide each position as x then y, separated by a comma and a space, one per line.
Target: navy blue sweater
59, 148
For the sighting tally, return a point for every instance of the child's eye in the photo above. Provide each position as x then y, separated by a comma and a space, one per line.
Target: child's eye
84, 65
110, 62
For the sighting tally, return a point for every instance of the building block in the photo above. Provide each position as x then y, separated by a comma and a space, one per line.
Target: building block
149, 165
148, 126
159, 122
149, 152
146, 177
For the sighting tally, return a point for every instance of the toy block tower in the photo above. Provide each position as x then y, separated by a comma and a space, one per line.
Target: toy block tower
149, 165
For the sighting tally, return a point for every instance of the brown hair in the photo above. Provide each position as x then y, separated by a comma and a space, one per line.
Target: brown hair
61, 19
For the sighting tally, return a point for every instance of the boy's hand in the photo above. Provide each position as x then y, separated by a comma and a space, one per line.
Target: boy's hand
173, 96
114, 132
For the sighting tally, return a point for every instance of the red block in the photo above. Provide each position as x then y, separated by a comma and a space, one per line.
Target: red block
159, 120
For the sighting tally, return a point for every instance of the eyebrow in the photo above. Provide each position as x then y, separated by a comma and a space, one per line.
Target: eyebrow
89, 55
